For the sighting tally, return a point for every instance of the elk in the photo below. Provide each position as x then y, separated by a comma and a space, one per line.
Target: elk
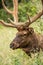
26, 38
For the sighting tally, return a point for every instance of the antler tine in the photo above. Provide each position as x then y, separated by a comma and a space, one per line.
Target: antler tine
33, 19
37, 16
6, 24
29, 20
16, 23
10, 12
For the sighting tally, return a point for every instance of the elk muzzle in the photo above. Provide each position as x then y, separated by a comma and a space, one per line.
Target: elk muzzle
14, 45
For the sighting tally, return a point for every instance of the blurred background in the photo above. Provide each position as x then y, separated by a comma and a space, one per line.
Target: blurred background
19, 57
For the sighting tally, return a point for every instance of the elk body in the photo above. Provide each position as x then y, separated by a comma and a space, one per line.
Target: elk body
26, 38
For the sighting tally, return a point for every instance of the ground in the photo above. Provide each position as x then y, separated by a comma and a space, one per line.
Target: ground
15, 57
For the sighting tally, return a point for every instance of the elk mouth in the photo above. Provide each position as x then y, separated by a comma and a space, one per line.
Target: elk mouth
14, 46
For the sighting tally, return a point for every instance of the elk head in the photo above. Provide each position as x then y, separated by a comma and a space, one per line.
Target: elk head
25, 39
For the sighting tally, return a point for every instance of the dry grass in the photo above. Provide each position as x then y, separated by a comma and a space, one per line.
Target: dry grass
17, 57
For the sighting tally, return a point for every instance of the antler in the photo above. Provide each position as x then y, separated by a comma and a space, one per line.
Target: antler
6, 24
33, 19
15, 15
42, 5
15, 11
10, 12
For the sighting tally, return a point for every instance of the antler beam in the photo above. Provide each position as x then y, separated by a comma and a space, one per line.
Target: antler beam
15, 15
15, 11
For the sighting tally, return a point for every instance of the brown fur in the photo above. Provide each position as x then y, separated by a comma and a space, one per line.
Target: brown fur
27, 40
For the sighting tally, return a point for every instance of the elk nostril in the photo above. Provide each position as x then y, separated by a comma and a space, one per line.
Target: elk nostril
11, 45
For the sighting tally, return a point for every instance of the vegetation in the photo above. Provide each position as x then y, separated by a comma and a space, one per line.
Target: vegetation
24, 8
15, 57
19, 57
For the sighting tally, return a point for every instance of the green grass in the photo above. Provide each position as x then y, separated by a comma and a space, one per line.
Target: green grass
15, 57
19, 57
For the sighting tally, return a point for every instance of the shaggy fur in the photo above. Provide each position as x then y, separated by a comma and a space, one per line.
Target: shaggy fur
27, 40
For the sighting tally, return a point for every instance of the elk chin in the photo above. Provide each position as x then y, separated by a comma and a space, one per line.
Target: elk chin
14, 46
